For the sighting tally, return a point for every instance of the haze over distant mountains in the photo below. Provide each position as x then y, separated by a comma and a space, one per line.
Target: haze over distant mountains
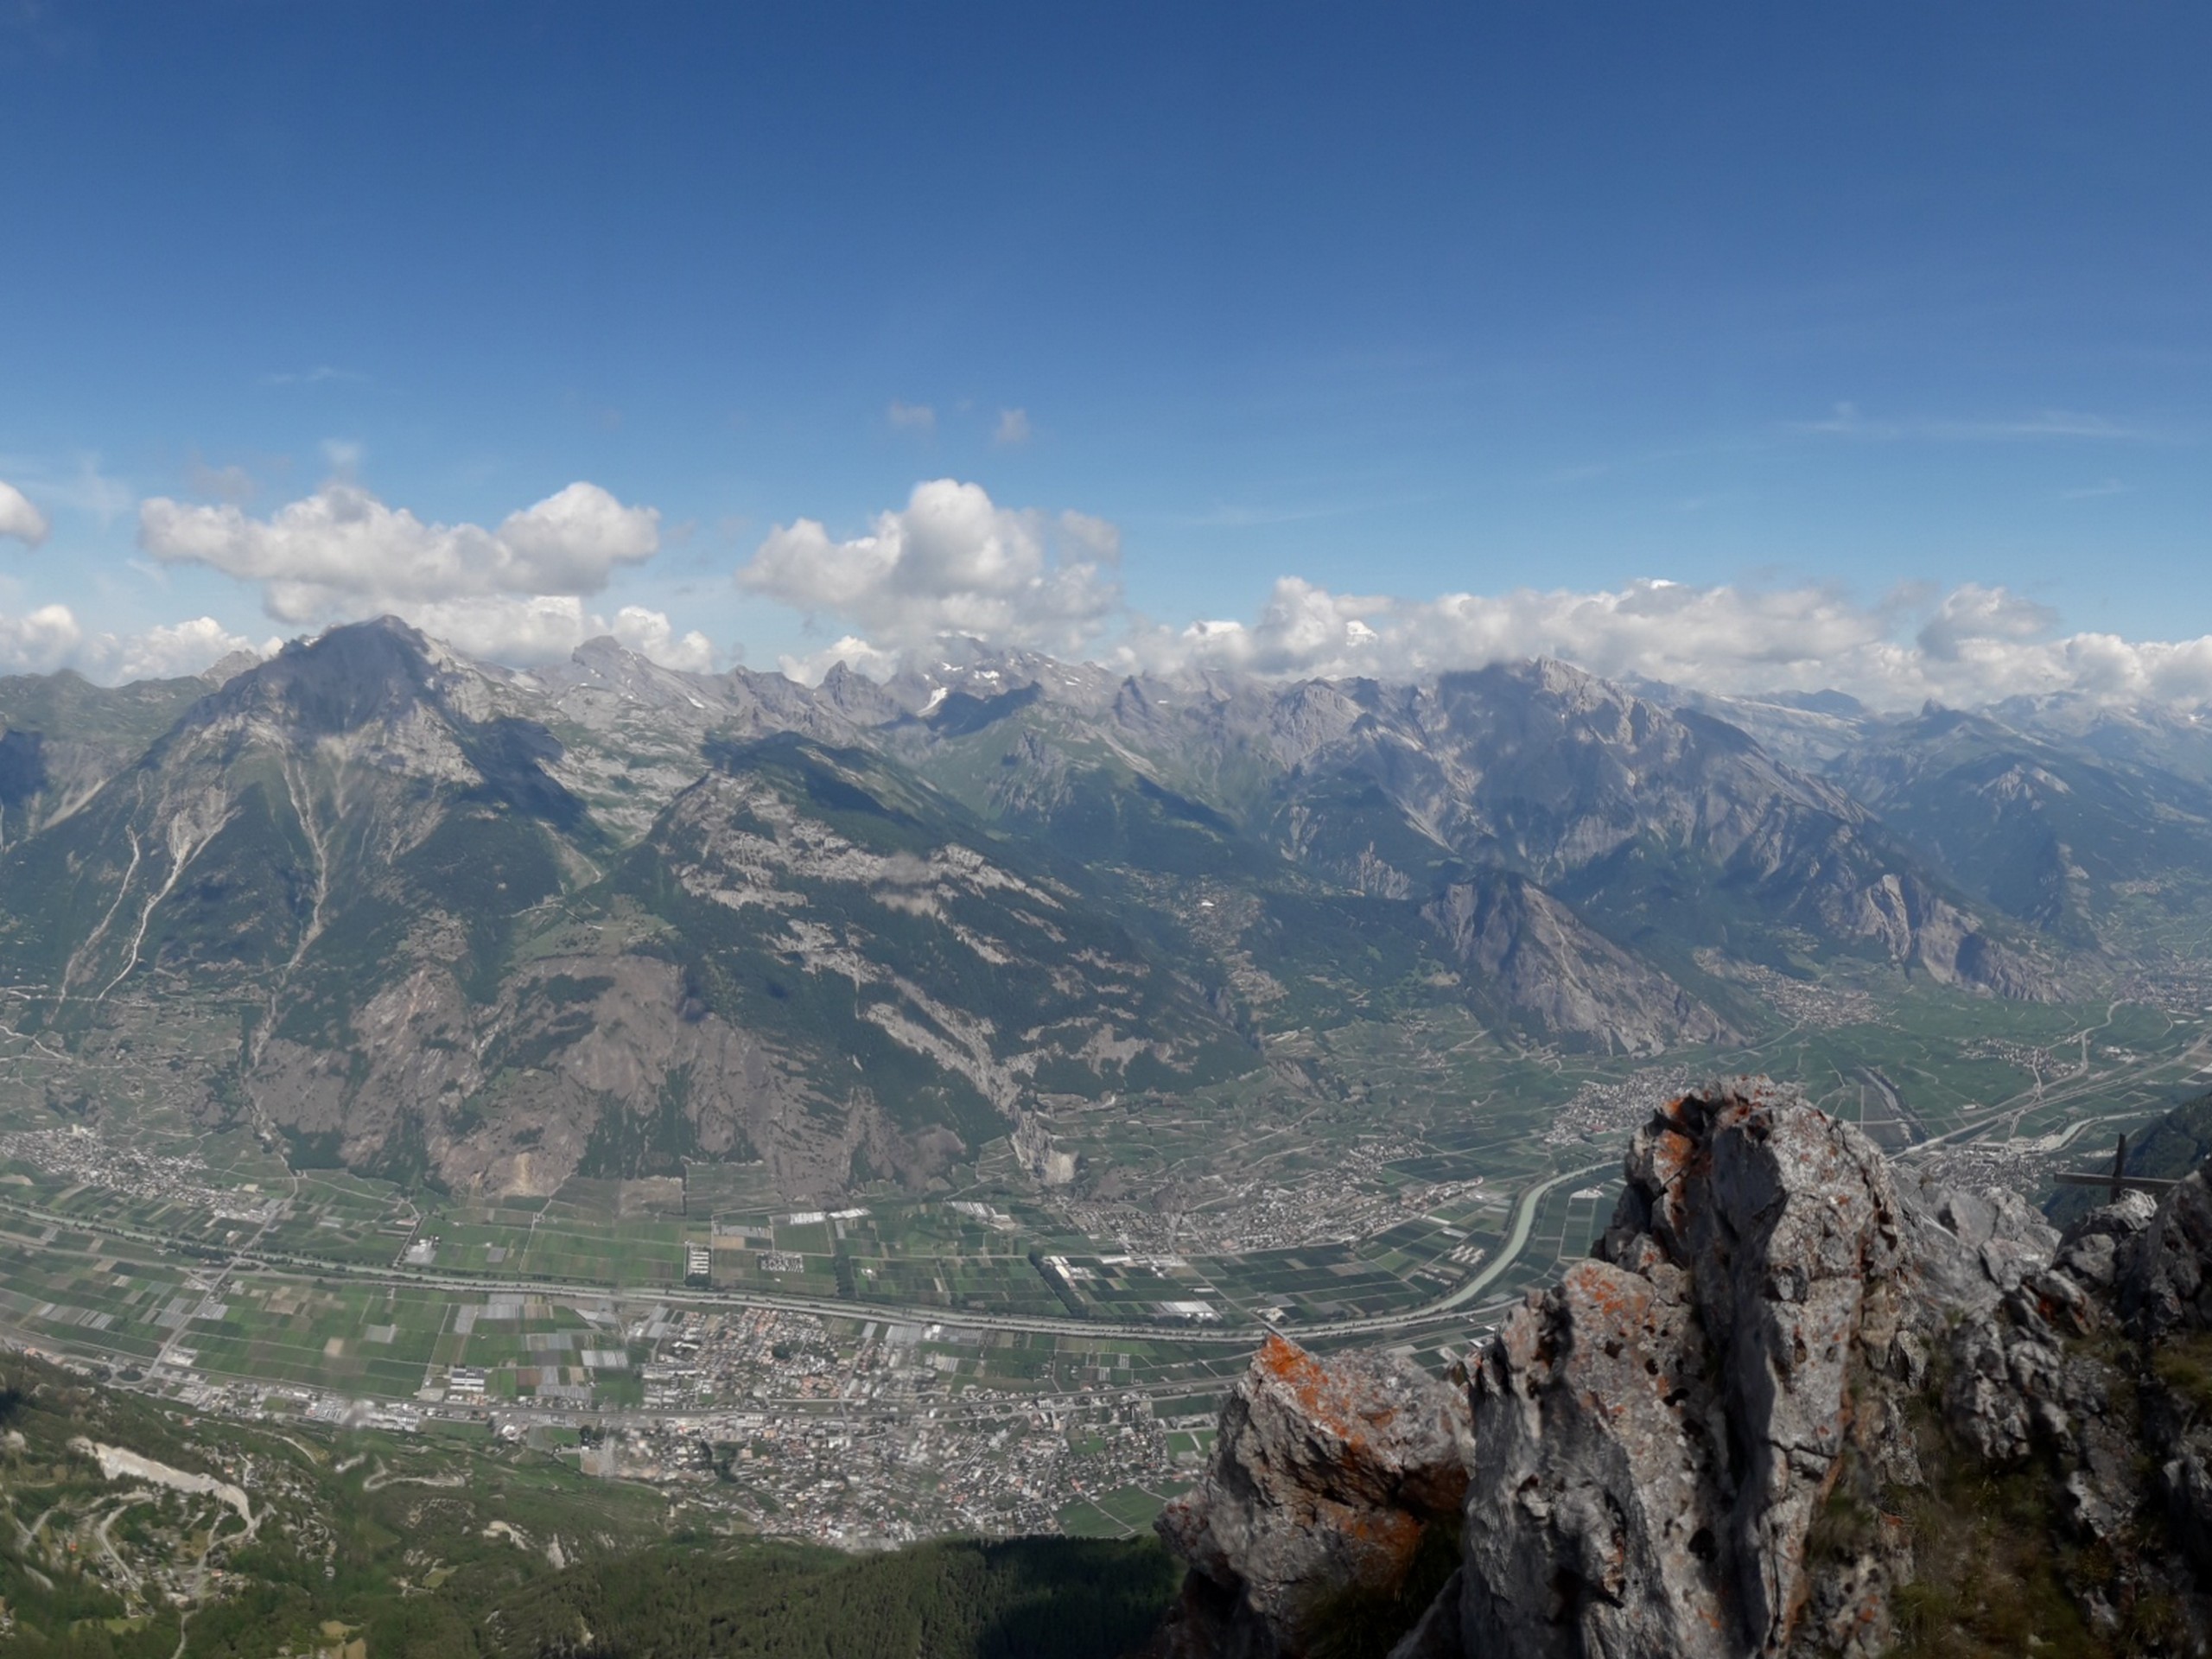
428, 916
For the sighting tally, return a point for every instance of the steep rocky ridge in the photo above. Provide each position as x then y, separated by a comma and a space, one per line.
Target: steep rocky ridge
298, 824
363, 854
631, 732
1529, 955
1665, 825
61, 737
1794, 1404
2039, 831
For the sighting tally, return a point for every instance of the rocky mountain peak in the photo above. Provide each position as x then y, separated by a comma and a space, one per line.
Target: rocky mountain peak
224, 670
1741, 1428
1655, 1433
364, 674
1535, 959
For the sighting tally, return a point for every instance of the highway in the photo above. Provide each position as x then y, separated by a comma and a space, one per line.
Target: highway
259, 1263
1517, 1240
278, 1264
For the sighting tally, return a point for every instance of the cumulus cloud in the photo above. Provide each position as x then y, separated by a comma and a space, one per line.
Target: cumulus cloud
651, 634
50, 638
514, 592
547, 627
951, 562
1972, 616
1657, 629
168, 651
502, 628
1973, 646
19, 519
855, 652
342, 553
40, 642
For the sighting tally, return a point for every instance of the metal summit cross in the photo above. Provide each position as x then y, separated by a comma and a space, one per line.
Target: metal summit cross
2118, 1181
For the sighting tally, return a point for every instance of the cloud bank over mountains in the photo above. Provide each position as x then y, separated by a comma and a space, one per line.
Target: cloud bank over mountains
951, 564
1970, 647
341, 549
513, 592
51, 638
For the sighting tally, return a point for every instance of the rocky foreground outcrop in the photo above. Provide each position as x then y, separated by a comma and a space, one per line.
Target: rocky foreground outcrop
1326, 1480
1796, 1404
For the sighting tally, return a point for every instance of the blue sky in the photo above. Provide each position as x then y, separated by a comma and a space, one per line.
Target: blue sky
1393, 301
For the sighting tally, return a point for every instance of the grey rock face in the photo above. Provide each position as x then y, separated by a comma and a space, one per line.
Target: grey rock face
1694, 1444
2165, 1273
1536, 957
1325, 1476
1436, 1635
2125, 1217
1654, 1436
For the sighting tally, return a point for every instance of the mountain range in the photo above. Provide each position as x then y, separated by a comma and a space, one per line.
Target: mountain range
438, 918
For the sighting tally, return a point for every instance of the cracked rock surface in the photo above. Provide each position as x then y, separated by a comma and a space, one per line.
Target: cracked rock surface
1325, 1476
1654, 1435
1790, 1383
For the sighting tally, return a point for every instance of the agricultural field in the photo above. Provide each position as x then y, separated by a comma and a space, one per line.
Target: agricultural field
1125, 1512
126, 1237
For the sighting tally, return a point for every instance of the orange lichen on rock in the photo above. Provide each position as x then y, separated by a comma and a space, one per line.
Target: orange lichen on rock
1325, 1472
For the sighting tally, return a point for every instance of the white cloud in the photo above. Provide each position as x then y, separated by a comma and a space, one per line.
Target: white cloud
342, 553
911, 417
1012, 428
1972, 615
523, 630
50, 638
1718, 639
950, 562
40, 642
852, 651
167, 652
19, 519
651, 634
1973, 646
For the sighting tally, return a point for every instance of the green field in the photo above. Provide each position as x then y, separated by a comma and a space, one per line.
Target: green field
127, 1236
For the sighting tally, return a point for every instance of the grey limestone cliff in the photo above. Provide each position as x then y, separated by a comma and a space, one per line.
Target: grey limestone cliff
1797, 1403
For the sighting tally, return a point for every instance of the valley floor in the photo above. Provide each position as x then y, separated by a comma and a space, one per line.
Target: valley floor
1000, 1359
